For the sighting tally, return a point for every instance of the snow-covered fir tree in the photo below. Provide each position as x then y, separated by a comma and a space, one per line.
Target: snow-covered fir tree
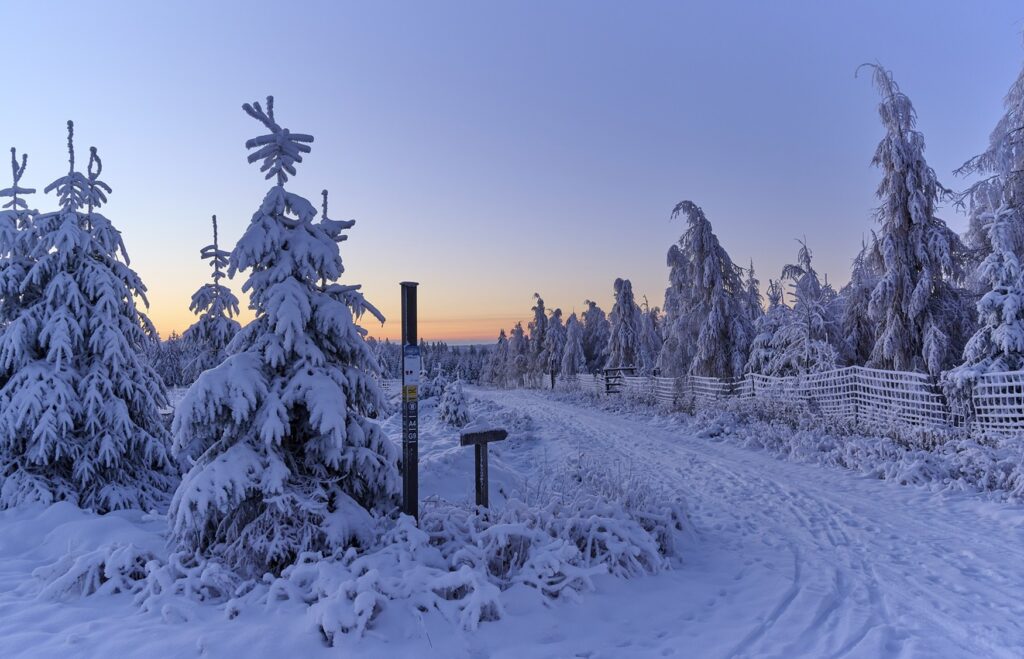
650, 338
16, 245
997, 235
626, 325
453, 408
388, 358
982, 200
573, 360
762, 348
554, 339
708, 329
752, 299
287, 458
169, 360
497, 366
596, 332
206, 341
79, 407
538, 328
1001, 190
998, 345
920, 315
517, 365
856, 329
801, 344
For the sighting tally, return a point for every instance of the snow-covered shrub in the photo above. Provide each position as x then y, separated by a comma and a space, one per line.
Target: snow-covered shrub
658, 512
287, 457
106, 570
947, 459
459, 559
453, 408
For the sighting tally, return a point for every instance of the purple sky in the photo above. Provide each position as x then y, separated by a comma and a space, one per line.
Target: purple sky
492, 150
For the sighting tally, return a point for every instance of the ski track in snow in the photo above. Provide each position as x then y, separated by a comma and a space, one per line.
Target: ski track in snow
786, 560
861, 567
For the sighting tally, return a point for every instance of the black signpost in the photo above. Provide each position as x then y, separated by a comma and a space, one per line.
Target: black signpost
479, 438
410, 402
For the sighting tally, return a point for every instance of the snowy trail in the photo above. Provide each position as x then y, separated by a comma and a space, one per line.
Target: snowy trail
820, 562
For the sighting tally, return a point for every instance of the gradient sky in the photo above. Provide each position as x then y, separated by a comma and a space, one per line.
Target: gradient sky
490, 150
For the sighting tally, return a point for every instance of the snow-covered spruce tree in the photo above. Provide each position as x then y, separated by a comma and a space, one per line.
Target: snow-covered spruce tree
15, 244
79, 410
982, 200
538, 328
626, 323
857, 331
517, 366
207, 339
497, 365
762, 348
708, 329
474, 363
287, 459
554, 339
801, 344
596, 332
921, 317
650, 338
1002, 188
996, 235
573, 361
453, 408
752, 299
387, 357
168, 359
996, 232
998, 345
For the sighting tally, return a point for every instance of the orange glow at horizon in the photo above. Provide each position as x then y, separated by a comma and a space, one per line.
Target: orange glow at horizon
448, 328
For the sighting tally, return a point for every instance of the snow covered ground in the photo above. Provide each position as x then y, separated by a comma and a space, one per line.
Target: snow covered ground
786, 560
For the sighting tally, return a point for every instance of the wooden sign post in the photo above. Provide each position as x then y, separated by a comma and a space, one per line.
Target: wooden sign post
479, 437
